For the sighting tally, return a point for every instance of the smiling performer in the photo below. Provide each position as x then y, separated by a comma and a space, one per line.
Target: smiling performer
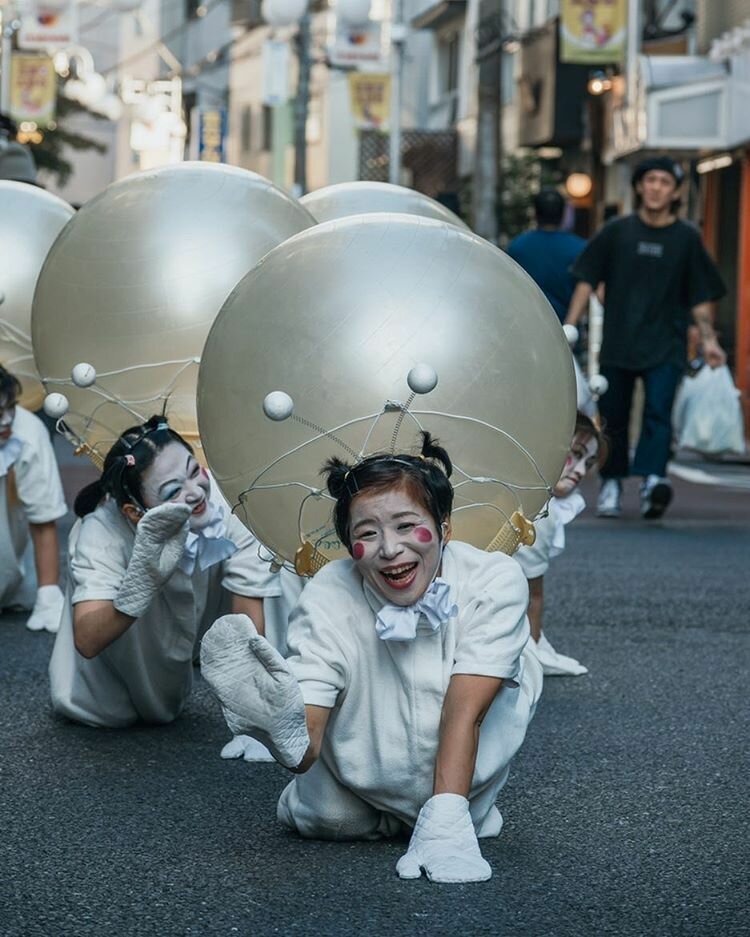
565, 505
31, 502
152, 561
408, 689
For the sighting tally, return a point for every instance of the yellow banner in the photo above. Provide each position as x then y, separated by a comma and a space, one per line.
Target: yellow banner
593, 32
370, 96
33, 88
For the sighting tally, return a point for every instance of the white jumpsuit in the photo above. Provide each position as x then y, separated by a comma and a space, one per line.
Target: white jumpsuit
147, 673
550, 535
375, 769
30, 493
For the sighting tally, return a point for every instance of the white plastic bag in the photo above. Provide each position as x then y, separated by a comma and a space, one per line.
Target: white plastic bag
707, 415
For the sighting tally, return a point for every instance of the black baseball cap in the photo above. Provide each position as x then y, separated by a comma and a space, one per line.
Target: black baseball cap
663, 163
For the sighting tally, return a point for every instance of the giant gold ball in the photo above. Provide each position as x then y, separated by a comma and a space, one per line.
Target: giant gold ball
361, 198
337, 318
30, 220
134, 283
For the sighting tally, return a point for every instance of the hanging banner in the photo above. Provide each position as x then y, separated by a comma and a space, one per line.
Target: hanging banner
33, 88
275, 59
370, 100
49, 26
212, 135
593, 32
357, 45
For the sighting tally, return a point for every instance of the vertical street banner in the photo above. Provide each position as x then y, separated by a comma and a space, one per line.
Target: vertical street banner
212, 135
593, 32
33, 88
370, 96
275, 60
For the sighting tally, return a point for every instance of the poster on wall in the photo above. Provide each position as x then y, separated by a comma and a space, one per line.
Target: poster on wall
593, 32
49, 26
370, 96
33, 89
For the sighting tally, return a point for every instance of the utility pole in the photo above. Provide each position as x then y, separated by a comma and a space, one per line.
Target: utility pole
398, 39
9, 26
301, 105
489, 140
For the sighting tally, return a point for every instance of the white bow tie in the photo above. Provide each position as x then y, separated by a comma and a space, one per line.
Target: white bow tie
9, 453
209, 545
399, 622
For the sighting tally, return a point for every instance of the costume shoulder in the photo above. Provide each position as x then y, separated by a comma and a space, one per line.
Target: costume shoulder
105, 528
338, 576
477, 571
29, 428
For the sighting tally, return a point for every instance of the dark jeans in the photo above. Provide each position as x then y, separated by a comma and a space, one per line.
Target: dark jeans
655, 444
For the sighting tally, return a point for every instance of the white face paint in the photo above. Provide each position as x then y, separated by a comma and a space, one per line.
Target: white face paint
7, 415
395, 544
582, 456
176, 476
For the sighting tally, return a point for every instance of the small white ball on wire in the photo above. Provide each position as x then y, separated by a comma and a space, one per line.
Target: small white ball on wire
422, 378
278, 405
83, 374
571, 334
598, 385
55, 405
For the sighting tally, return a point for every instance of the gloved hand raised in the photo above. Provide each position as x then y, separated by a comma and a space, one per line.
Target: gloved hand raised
159, 543
259, 696
444, 844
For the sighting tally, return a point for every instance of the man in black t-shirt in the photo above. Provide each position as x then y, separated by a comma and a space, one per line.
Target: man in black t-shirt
657, 278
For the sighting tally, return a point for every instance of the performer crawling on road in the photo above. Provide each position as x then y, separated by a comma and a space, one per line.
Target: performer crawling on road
408, 689
152, 562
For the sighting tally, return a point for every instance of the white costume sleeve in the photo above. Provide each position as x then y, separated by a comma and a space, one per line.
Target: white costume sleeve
317, 654
37, 475
248, 571
98, 560
534, 560
493, 629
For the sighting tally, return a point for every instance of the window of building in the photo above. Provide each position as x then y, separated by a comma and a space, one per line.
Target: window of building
246, 129
449, 53
267, 134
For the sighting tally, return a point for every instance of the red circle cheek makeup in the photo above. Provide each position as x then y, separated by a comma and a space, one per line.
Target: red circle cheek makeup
358, 551
422, 534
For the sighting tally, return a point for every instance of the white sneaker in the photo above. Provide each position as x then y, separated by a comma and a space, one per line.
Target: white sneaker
554, 664
608, 502
656, 493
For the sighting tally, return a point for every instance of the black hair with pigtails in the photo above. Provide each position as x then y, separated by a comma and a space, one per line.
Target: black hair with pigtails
425, 477
126, 461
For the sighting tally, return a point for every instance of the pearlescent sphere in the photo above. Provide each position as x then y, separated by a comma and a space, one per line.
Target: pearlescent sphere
30, 220
571, 334
363, 198
598, 385
135, 282
83, 375
338, 315
278, 406
422, 379
55, 405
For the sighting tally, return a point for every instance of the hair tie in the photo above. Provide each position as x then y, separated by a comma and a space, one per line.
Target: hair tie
129, 460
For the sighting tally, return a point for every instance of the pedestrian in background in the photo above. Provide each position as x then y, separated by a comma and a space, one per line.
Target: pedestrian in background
656, 275
547, 253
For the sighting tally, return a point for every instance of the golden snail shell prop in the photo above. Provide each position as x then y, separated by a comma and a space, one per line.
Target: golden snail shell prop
129, 291
30, 220
351, 337
361, 198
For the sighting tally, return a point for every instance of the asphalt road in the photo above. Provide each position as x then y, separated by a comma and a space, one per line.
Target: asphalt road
626, 811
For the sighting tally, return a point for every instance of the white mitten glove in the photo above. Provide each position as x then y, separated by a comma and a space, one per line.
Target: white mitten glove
47, 609
258, 694
159, 542
245, 746
444, 844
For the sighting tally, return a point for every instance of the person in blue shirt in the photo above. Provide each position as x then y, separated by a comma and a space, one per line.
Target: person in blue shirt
547, 253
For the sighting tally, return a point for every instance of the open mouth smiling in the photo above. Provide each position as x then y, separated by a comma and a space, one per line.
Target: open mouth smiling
400, 577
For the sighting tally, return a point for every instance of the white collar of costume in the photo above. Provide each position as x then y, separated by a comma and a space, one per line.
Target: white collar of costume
9, 453
564, 510
209, 545
400, 622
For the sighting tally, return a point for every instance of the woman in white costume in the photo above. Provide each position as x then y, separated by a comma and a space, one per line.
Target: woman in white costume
408, 689
31, 501
152, 561
564, 507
